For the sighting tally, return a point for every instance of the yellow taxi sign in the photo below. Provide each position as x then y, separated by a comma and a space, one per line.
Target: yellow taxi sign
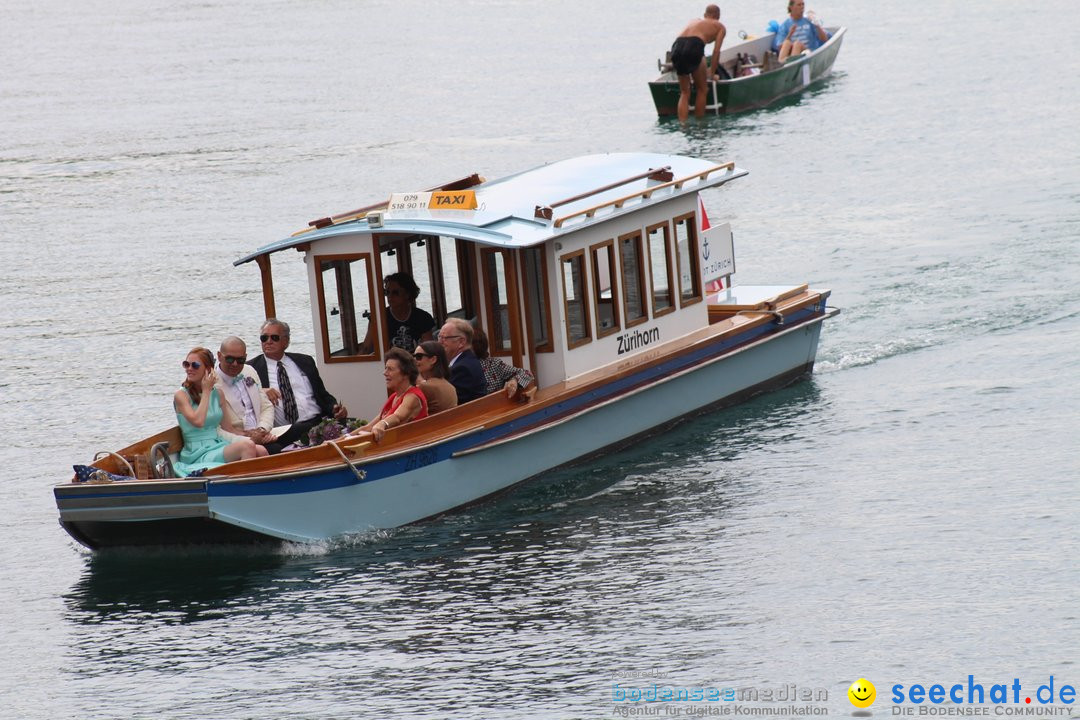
437, 200
453, 200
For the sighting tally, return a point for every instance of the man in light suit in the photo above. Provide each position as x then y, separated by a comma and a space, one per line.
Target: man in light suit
305, 397
248, 410
466, 373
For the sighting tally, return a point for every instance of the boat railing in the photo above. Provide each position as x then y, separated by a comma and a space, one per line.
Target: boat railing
642, 194
662, 174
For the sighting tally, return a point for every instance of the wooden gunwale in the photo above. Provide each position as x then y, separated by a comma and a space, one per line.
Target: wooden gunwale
634, 391
497, 409
492, 410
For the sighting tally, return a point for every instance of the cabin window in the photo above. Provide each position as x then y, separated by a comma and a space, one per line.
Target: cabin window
633, 279
686, 252
458, 279
498, 305
412, 254
578, 330
346, 298
440, 267
660, 265
536, 290
605, 291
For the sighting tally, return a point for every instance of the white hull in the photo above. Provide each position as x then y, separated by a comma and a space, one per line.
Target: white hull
473, 474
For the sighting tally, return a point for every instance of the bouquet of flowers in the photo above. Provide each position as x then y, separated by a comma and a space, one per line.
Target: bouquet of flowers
331, 429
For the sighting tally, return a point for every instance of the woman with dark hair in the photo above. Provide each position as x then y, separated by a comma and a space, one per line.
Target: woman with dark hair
199, 415
406, 402
498, 373
406, 324
434, 371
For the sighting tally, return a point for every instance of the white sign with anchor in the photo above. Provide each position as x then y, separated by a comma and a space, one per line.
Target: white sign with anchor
717, 252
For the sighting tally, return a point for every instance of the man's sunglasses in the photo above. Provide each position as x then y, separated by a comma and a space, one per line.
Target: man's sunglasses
264, 338
234, 359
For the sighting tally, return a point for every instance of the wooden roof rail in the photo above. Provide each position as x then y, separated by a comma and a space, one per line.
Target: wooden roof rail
644, 194
663, 174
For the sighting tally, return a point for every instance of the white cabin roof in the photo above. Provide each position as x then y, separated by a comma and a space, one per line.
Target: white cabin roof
576, 193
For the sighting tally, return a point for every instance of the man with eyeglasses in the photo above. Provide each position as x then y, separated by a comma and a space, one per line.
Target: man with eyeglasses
466, 374
248, 410
293, 385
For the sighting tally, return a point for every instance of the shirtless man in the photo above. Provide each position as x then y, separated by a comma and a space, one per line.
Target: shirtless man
688, 57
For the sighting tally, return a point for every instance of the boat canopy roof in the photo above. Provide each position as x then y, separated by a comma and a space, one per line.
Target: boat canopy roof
533, 206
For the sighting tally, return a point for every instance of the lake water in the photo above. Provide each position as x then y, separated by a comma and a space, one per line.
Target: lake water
908, 515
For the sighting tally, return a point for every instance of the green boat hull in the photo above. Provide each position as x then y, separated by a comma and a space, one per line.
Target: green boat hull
752, 91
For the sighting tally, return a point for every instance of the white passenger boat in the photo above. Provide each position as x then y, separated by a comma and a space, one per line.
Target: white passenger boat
596, 273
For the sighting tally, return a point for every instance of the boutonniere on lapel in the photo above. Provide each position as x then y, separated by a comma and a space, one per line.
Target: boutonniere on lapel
249, 381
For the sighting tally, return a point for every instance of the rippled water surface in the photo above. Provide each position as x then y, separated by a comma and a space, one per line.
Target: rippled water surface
907, 515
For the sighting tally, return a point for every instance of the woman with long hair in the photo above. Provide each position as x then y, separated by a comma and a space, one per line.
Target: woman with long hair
199, 415
434, 371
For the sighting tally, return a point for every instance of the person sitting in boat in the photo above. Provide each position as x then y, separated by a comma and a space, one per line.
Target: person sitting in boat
407, 324
499, 374
293, 384
199, 414
431, 359
248, 411
466, 373
797, 34
688, 57
406, 402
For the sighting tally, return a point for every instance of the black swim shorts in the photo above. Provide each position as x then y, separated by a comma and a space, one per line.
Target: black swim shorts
686, 54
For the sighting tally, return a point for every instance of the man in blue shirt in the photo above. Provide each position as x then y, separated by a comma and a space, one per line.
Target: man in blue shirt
797, 33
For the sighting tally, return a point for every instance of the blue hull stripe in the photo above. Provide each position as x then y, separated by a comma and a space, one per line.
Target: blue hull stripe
337, 478
333, 478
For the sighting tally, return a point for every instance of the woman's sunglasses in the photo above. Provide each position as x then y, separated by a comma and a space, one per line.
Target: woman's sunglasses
193, 365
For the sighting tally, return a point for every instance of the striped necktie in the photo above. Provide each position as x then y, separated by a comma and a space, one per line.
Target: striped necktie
288, 402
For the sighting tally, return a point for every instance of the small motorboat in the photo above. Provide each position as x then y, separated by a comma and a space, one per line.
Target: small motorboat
602, 275
752, 76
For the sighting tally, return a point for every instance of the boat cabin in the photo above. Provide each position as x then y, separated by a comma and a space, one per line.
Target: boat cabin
567, 267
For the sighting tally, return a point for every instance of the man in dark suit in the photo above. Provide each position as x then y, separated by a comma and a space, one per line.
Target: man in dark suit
466, 373
293, 385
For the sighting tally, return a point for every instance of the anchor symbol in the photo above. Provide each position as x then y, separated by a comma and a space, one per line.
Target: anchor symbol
705, 248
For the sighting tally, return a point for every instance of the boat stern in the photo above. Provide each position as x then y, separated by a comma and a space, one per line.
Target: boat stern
140, 512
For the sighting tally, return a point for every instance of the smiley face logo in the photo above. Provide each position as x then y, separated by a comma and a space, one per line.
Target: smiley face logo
862, 693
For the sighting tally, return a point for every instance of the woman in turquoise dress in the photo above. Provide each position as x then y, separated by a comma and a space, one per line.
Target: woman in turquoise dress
199, 414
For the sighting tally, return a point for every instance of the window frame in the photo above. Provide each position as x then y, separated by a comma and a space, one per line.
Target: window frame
541, 294
371, 266
586, 317
665, 226
695, 269
642, 289
616, 325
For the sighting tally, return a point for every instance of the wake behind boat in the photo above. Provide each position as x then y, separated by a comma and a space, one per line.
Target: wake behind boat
755, 78
596, 273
